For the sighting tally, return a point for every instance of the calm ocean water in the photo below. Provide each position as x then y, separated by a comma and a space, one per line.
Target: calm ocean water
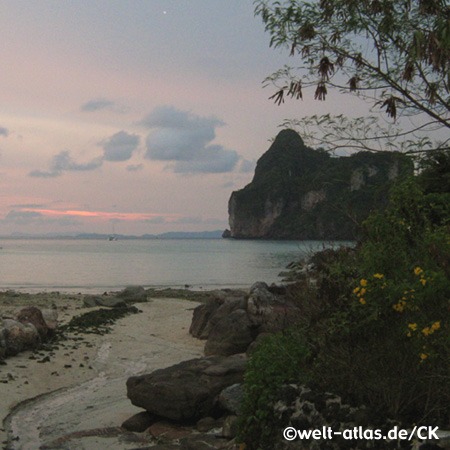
98, 265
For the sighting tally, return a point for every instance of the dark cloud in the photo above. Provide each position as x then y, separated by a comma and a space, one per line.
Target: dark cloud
29, 205
22, 217
184, 138
95, 105
4, 131
211, 159
38, 219
120, 146
63, 162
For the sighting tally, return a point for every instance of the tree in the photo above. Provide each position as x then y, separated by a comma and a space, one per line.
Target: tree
392, 54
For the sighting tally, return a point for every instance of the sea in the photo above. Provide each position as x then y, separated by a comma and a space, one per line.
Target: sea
99, 265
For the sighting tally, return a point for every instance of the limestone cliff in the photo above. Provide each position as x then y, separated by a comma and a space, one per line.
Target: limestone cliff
301, 193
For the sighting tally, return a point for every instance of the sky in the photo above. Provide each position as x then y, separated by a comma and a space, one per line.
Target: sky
140, 116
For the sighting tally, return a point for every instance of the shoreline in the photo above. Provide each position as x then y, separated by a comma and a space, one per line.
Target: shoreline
88, 370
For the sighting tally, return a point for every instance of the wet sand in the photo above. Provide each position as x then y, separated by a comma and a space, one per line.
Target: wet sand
80, 393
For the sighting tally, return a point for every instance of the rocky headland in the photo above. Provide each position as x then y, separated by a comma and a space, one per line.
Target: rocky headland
301, 193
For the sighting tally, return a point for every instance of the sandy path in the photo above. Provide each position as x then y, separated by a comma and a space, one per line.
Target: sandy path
94, 398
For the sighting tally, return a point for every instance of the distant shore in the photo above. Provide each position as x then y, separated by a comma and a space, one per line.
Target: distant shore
98, 364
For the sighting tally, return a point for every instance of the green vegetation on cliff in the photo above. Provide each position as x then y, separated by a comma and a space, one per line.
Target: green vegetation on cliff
301, 193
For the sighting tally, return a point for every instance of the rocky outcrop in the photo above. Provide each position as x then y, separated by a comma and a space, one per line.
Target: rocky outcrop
26, 332
128, 296
301, 193
231, 321
187, 391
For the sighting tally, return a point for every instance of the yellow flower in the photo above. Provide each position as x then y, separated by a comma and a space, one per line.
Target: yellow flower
436, 326
413, 326
378, 275
363, 282
426, 331
408, 334
362, 301
423, 357
363, 291
423, 281
356, 290
418, 271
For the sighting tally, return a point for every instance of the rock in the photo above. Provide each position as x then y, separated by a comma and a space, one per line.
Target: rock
20, 337
230, 427
219, 305
209, 423
271, 313
139, 422
295, 192
33, 315
133, 294
51, 319
110, 302
186, 391
226, 234
231, 397
232, 334
168, 430
259, 304
200, 326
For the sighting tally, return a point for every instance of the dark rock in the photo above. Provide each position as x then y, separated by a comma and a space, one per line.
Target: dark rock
97, 300
209, 423
230, 427
133, 294
168, 430
231, 397
226, 234
200, 326
232, 334
34, 316
139, 422
186, 391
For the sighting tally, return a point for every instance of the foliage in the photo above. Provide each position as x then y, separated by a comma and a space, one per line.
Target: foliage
377, 326
279, 359
389, 343
392, 54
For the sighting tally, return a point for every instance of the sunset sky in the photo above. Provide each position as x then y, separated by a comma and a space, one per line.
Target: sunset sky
143, 114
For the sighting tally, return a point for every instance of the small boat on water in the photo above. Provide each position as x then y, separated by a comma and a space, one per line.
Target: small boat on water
113, 236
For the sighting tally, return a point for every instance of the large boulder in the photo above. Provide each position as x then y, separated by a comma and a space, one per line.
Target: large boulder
220, 304
33, 315
19, 337
232, 334
186, 391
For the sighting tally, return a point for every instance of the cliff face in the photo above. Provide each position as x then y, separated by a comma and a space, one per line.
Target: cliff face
301, 193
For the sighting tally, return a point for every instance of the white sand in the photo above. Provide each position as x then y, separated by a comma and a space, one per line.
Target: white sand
140, 343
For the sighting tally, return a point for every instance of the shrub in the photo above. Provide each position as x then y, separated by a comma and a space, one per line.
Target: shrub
279, 359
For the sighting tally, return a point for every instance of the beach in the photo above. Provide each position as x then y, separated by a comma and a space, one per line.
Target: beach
73, 392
